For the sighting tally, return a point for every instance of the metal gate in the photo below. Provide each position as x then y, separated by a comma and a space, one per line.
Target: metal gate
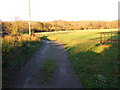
109, 37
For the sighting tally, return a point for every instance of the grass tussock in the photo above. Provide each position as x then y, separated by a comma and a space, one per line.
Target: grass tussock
15, 51
95, 65
48, 68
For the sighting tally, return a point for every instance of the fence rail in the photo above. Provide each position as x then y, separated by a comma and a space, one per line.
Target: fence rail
109, 37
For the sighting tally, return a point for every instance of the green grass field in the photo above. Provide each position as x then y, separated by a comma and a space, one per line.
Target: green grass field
95, 65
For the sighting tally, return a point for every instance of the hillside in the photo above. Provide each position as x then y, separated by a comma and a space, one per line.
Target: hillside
22, 26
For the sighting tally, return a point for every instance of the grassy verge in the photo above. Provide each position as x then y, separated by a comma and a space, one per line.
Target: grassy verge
95, 65
15, 52
48, 68
44, 37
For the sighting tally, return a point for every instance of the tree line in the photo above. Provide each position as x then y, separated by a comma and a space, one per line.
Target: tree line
17, 27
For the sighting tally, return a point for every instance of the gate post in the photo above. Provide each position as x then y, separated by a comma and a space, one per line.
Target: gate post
100, 38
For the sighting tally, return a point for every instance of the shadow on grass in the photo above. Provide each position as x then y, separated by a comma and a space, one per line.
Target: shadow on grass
88, 65
17, 57
44, 38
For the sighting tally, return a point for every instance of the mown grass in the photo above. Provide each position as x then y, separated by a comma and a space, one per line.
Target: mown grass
15, 52
48, 68
95, 65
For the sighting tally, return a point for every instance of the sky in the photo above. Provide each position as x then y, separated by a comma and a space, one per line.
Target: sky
68, 10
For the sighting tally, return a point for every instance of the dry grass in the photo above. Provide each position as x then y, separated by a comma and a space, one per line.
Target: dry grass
15, 51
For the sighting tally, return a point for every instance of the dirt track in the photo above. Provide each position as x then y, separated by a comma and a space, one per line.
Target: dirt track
30, 76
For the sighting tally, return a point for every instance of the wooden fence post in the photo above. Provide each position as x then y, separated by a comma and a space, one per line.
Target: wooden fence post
100, 38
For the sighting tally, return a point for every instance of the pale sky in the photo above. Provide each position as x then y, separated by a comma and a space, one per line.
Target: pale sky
69, 10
